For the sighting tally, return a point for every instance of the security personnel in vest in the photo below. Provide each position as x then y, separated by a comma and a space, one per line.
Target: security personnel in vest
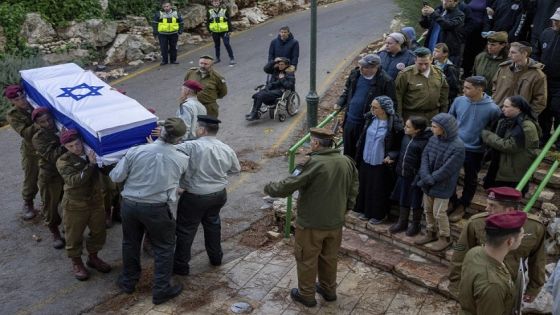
219, 25
82, 204
167, 26
500, 200
19, 117
486, 285
47, 144
328, 186
214, 84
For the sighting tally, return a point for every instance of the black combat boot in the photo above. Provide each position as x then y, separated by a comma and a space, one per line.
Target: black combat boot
414, 227
402, 223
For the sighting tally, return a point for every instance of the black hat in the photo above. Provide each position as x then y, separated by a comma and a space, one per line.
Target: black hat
208, 119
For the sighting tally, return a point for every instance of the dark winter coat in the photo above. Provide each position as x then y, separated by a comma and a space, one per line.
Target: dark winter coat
547, 51
410, 155
288, 48
288, 82
451, 26
393, 138
513, 17
393, 64
382, 84
442, 160
541, 20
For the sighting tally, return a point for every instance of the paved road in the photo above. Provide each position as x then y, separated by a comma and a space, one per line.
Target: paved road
35, 279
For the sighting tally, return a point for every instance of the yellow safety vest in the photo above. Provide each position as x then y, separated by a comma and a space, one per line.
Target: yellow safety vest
168, 25
218, 22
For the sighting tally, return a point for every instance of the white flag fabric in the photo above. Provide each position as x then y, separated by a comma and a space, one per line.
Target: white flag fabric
109, 121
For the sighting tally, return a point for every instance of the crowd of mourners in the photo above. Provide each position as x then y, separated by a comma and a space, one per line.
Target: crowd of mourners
481, 86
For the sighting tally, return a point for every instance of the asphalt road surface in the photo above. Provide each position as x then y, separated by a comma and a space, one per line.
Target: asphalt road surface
36, 279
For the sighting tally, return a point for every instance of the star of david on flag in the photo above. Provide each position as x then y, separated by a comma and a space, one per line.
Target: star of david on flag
69, 91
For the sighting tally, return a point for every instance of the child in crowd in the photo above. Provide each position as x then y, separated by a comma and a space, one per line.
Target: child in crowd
406, 193
441, 161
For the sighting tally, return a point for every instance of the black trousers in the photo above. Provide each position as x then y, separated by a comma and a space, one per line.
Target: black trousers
471, 166
191, 211
551, 112
265, 96
168, 46
351, 134
225, 38
158, 222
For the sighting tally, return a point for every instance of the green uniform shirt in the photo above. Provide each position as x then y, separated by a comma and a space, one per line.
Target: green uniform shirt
47, 144
487, 66
81, 179
531, 248
328, 186
486, 287
214, 85
419, 95
20, 120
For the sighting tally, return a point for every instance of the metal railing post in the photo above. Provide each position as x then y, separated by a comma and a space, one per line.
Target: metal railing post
539, 190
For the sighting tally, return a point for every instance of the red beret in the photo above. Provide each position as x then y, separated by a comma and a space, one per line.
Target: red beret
509, 220
193, 85
13, 91
68, 135
504, 194
39, 111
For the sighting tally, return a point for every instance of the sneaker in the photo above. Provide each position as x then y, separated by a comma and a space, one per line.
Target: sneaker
163, 63
374, 221
362, 217
232, 62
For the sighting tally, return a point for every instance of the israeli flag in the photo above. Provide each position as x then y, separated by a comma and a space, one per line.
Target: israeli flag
108, 121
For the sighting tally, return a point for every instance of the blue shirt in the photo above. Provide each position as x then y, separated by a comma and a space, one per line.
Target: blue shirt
356, 108
374, 148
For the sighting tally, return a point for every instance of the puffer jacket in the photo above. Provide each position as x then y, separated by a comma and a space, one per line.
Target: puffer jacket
410, 155
395, 131
288, 48
442, 160
393, 64
530, 83
547, 51
288, 82
486, 65
515, 158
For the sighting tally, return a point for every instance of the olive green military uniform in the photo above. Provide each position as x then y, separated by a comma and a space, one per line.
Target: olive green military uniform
20, 120
328, 186
214, 88
82, 204
531, 248
47, 145
486, 286
421, 96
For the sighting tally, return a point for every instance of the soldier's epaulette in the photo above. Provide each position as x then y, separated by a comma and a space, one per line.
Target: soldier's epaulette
193, 68
479, 215
533, 217
409, 68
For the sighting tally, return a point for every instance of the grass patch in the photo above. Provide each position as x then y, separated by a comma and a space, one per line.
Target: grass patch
410, 11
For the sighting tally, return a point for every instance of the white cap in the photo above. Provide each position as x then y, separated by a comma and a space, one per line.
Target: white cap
556, 15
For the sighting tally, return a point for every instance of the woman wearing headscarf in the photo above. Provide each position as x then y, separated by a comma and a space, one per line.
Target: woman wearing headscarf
513, 144
377, 150
396, 55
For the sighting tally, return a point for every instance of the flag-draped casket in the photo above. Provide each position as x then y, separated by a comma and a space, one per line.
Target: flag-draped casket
109, 121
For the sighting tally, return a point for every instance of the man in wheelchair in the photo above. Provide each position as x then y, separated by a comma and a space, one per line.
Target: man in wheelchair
281, 78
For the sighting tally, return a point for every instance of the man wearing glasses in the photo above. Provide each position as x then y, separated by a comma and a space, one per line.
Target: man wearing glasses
504, 200
19, 117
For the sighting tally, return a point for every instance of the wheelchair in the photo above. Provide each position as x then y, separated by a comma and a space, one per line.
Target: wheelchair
284, 106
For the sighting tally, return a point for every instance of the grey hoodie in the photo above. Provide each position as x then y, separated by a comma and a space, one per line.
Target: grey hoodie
442, 159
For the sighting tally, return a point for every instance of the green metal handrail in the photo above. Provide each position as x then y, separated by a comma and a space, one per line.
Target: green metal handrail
533, 168
291, 167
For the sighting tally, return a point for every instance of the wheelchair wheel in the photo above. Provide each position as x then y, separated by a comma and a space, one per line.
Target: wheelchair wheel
281, 117
293, 104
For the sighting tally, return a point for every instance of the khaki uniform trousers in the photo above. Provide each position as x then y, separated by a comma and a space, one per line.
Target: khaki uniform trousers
436, 215
316, 253
51, 190
30, 166
212, 109
77, 216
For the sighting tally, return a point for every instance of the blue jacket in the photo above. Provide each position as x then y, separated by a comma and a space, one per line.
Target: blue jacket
393, 64
442, 160
472, 118
288, 48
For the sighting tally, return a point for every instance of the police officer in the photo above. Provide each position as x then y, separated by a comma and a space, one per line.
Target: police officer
486, 285
422, 89
19, 117
82, 204
214, 84
47, 144
204, 193
219, 25
502, 200
167, 25
150, 174
328, 186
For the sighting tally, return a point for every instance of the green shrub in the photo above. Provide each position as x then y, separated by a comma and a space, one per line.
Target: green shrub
11, 65
11, 18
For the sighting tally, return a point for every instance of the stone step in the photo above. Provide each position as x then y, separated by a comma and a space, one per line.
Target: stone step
390, 258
